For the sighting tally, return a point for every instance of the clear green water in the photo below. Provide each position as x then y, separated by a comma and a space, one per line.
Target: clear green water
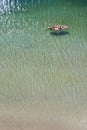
38, 66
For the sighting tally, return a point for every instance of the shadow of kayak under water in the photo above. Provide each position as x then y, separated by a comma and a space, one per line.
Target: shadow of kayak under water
62, 33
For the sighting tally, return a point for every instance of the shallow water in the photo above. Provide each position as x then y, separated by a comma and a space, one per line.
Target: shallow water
36, 65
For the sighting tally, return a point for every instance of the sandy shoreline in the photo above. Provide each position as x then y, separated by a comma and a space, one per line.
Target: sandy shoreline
42, 118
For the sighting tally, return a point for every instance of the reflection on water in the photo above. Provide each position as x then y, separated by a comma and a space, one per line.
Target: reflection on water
8, 6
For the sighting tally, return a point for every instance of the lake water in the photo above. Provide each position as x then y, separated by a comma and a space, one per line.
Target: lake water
39, 67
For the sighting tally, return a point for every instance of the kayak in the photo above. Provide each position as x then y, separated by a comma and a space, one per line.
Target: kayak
58, 27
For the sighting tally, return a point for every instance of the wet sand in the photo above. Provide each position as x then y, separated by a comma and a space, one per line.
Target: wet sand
43, 118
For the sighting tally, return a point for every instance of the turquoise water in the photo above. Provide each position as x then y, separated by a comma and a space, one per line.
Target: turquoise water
37, 65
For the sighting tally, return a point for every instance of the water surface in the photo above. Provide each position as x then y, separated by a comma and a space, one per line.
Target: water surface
38, 66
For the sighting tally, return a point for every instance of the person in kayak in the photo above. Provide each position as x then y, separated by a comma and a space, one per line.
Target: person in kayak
58, 27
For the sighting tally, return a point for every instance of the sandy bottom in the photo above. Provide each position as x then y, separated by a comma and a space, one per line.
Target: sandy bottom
42, 118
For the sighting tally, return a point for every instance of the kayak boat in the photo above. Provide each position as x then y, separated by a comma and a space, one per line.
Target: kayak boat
58, 27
